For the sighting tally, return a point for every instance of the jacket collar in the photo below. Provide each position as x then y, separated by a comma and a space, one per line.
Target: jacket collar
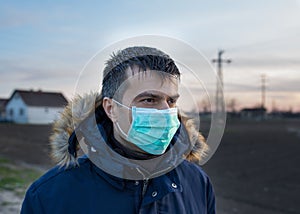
103, 156
157, 187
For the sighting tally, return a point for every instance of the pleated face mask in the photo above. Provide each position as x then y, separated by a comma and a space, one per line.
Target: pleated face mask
151, 129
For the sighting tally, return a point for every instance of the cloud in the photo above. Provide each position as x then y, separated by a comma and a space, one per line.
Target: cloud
284, 85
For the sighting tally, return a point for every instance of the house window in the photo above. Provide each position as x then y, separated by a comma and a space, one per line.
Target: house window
21, 112
11, 112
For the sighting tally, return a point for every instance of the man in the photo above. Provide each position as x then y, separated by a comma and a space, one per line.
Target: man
141, 154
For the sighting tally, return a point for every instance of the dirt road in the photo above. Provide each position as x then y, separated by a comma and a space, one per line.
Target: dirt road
256, 168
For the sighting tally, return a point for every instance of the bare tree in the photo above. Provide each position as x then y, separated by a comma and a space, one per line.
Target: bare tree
203, 105
231, 105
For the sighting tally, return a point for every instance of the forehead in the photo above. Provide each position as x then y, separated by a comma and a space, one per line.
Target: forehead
140, 82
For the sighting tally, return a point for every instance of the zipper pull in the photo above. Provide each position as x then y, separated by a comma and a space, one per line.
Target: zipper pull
145, 185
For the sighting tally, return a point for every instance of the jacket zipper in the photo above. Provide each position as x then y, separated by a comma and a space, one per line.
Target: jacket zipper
145, 185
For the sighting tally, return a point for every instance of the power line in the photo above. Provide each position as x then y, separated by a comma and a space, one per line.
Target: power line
263, 91
219, 93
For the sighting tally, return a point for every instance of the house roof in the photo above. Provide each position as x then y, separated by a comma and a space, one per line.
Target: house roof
257, 109
42, 98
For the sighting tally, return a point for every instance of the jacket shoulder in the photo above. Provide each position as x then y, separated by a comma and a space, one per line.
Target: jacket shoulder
194, 173
193, 169
57, 174
195, 176
58, 183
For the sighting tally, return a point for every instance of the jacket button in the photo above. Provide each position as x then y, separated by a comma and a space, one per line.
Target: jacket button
136, 183
174, 185
154, 194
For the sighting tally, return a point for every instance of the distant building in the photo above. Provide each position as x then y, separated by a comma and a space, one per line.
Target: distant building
34, 107
2, 109
253, 113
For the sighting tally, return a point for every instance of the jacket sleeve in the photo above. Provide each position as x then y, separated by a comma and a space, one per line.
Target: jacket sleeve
210, 197
31, 203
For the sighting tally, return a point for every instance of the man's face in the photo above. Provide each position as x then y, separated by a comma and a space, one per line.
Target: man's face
149, 89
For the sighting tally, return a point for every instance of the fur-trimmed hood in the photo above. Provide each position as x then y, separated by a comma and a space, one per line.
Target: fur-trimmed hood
81, 112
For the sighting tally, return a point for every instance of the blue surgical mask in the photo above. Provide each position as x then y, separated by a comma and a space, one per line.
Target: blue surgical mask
151, 129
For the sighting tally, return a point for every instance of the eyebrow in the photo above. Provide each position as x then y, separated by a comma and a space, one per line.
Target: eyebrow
149, 94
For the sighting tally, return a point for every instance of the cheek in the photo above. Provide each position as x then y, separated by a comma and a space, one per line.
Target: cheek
125, 120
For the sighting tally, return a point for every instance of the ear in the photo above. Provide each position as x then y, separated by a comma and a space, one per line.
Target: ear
108, 106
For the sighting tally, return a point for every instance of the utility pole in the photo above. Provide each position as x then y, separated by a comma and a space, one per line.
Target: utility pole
263, 91
219, 94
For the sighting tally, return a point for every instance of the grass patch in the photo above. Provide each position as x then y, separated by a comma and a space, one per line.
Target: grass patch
3, 160
6, 203
15, 178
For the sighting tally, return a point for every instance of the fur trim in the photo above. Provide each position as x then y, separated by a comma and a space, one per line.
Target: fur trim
79, 109
200, 148
75, 112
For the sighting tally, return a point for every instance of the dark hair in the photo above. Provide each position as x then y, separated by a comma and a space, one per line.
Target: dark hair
144, 57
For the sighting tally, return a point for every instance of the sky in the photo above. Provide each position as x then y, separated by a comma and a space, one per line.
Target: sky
45, 44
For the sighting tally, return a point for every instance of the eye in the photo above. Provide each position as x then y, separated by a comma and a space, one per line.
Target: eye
148, 100
172, 102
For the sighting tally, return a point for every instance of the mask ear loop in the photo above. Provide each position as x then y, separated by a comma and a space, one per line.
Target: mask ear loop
121, 104
122, 132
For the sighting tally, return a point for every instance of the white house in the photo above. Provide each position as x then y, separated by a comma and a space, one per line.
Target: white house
34, 107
